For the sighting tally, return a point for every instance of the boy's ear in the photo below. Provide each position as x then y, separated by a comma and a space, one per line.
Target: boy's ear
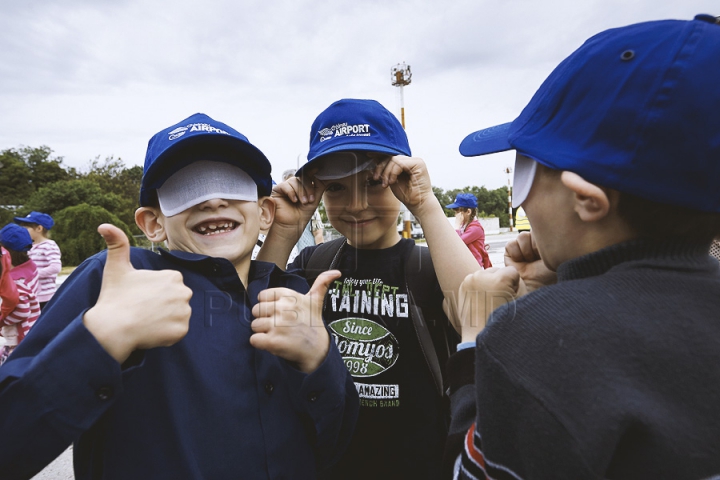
592, 202
266, 207
151, 221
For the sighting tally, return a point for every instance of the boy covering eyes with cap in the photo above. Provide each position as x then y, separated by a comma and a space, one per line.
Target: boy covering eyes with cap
613, 371
194, 363
385, 312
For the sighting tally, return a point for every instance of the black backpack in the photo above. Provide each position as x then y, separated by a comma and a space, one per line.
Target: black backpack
437, 338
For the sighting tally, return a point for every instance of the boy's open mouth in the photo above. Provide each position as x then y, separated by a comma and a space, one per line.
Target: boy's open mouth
213, 228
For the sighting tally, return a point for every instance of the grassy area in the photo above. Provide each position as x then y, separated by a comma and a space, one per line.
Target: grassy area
66, 270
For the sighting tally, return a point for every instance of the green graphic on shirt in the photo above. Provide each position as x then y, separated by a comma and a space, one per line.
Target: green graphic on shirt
367, 347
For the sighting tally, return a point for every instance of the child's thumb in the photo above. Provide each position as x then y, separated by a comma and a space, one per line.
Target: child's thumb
322, 283
118, 248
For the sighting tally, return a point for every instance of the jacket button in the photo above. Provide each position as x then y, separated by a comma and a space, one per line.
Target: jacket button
313, 397
269, 388
104, 393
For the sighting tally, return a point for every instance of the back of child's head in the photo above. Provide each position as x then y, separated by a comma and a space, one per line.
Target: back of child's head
352, 125
634, 109
17, 242
198, 159
35, 219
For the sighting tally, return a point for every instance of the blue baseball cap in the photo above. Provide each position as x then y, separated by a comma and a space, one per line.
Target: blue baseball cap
464, 200
196, 138
351, 124
634, 109
39, 218
15, 237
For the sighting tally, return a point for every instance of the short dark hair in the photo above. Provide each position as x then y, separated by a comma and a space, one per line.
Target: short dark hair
17, 257
657, 221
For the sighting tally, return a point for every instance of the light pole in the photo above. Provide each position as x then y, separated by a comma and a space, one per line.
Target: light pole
401, 76
508, 170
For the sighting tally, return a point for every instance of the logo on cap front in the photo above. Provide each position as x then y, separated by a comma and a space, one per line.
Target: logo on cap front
177, 133
195, 127
344, 130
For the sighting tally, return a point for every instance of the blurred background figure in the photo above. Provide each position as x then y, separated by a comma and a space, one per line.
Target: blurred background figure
44, 252
17, 323
469, 228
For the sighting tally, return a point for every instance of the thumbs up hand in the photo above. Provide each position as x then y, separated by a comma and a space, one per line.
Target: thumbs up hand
136, 309
289, 324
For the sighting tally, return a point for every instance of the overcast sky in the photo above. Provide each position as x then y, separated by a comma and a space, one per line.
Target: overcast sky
95, 78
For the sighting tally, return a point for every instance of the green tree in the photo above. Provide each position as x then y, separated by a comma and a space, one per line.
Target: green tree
67, 193
15, 178
24, 170
76, 234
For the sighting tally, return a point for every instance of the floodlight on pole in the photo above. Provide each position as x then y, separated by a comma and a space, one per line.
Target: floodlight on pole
401, 76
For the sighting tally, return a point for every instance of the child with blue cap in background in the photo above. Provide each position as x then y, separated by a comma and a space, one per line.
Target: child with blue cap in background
44, 252
386, 310
193, 363
469, 228
16, 322
605, 362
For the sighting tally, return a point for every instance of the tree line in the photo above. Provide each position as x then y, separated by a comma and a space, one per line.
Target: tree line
107, 191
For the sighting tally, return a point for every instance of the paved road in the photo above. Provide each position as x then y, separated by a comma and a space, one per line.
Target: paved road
60, 469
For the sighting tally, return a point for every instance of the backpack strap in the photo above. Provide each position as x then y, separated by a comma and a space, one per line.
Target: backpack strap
419, 273
323, 258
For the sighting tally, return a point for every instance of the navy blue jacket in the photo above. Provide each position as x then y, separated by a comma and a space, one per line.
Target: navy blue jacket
209, 407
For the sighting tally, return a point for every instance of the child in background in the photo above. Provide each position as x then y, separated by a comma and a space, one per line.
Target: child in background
469, 228
17, 323
44, 252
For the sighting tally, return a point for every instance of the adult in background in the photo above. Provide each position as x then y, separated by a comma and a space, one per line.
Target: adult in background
44, 252
469, 228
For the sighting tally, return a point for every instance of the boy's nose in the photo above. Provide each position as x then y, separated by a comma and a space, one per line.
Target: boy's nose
213, 204
358, 201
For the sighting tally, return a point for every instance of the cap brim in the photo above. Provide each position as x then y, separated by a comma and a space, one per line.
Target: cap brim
452, 205
488, 140
523, 177
363, 147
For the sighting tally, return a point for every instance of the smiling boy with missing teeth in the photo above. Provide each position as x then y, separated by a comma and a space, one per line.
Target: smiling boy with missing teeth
248, 384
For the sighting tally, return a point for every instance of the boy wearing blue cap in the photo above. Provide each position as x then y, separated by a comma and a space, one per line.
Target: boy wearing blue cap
385, 312
44, 252
613, 371
16, 322
190, 363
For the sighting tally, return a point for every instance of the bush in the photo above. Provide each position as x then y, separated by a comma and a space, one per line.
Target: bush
75, 231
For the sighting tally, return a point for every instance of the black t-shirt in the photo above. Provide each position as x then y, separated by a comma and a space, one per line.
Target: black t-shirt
401, 427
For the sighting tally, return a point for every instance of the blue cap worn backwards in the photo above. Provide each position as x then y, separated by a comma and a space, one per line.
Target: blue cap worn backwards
635, 109
355, 125
196, 138
39, 218
15, 237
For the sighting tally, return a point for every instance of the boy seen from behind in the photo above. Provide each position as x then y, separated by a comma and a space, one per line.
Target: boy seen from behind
194, 363
614, 371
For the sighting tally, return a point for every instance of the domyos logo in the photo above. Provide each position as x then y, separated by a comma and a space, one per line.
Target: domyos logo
345, 130
194, 127
367, 348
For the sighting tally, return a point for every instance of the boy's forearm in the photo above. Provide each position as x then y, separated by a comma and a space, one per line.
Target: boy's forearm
278, 245
452, 260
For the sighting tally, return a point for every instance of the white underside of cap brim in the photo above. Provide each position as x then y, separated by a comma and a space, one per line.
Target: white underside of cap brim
202, 181
522, 179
